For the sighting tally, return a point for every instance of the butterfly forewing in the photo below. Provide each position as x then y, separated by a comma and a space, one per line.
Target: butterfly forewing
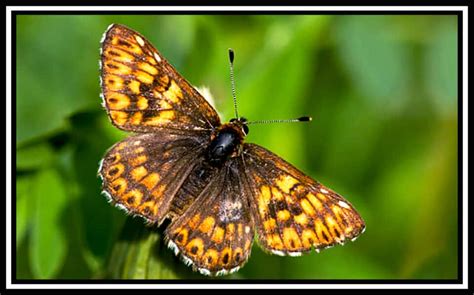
292, 212
142, 92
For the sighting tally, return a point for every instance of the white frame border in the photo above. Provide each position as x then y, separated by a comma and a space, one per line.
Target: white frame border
463, 9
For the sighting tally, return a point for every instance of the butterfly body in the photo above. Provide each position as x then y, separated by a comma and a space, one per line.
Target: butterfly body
182, 164
226, 142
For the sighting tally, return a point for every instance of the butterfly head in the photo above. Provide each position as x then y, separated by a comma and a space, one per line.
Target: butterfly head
241, 123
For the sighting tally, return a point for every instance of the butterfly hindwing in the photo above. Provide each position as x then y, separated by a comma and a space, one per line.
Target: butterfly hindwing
142, 92
216, 233
143, 172
293, 213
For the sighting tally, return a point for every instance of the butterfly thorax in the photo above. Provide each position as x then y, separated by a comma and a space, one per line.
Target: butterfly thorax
226, 142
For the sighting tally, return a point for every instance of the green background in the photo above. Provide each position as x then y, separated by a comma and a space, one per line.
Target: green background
382, 91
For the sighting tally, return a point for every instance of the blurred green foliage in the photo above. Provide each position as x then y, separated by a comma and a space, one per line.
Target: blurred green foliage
383, 94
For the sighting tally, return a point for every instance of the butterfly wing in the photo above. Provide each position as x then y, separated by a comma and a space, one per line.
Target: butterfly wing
142, 92
292, 212
216, 233
142, 173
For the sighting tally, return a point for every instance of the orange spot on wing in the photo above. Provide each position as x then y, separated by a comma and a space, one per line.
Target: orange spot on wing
264, 200
142, 103
207, 224
218, 235
277, 195
119, 55
151, 180
119, 186
301, 219
117, 68
334, 227
158, 192
306, 206
146, 67
138, 173
226, 256
322, 232
314, 201
308, 238
283, 215
173, 93
291, 238
136, 119
162, 118
133, 198
211, 257
134, 86
286, 182
118, 117
193, 223
269, 225
115, 171
274, 242
144, 77
181, 236
321, 197
195, 247
114, 82
138, 160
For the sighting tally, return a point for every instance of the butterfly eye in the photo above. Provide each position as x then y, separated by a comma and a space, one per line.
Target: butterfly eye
246, 129
233, 120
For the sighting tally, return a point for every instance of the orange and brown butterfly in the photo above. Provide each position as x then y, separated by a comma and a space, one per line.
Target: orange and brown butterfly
182, 164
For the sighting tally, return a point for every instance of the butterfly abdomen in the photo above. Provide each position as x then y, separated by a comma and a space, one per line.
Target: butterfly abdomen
192, 186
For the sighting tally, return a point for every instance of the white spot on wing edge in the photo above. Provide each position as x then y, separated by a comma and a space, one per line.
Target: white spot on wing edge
100, 168
343, 205
103, 100
173, 247
139, 40
157, 57
122, 207
186, 260
107, 196
278, 252
204, 271
281, 253
234, 269
324, 191
221, 272
105, 33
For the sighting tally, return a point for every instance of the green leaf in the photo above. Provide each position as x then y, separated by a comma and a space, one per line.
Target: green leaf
23, 202
140, 253
34, 156
48, 243
51, 83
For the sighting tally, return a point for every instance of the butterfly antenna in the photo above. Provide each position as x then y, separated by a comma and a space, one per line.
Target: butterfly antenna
300, 119
231, 63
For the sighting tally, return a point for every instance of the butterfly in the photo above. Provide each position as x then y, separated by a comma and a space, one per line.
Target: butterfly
184, 165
